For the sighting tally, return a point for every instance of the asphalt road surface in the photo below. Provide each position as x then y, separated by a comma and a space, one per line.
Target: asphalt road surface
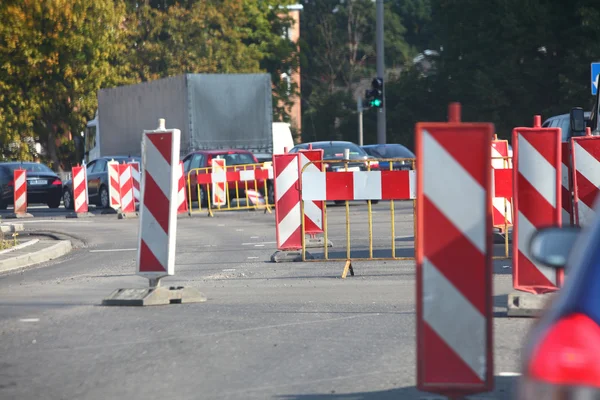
292, 331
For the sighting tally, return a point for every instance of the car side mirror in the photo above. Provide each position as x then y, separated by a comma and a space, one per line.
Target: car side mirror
552, 246
577, 121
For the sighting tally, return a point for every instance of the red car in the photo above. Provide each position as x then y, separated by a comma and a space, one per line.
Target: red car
200, 161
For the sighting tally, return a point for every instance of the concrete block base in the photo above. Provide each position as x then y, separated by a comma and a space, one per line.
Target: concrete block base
18, 215
123, 215
11, 228
317, 242
521, 304
154, 296
289, 256
80, 215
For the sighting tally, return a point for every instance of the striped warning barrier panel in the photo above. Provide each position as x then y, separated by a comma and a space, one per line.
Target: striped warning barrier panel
113, 185
567, 184
585, 177
537, 200
313, 210
20, 193
80, 192
454, 257
135, 173
182, 205
219, 182
241, 182
287, 201
502, 196
126, 197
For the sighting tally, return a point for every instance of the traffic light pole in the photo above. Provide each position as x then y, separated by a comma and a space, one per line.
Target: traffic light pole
381, 131
359, 106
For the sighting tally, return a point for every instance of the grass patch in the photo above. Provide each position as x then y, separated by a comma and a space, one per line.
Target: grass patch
6, 244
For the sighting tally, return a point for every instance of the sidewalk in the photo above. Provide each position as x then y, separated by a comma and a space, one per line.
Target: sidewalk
29, 250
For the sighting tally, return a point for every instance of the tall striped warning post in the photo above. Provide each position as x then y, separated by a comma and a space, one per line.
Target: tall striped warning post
135, 173
19, 184
158, 224
502, 199
288, 220
219, 182
454, 257
568, 213
126, 192
182, 204
114, 188
80, 193
310, 160
586, 177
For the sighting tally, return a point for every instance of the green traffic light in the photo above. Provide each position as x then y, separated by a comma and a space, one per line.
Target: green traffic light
376, 103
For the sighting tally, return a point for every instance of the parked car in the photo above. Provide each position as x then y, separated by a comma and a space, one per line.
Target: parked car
387, 151
97, 180
561, 357
196, 163
358, 160
44, 186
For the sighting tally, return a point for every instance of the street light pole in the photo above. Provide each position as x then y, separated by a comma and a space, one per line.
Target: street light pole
381, 129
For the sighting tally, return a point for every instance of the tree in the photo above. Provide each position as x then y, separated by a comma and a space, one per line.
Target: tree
54, 56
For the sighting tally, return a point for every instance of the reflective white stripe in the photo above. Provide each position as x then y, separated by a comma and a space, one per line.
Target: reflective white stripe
454, 192
564, 171
587, 165
498, 203
128, 198
367, 185
125, 176
270, 172
412, 183
80, 200
286, 179
537, 171
247, 175
314, 186
453, 318
314, 213
218, 177
289, 224
497, 163
78, 179
159, 169
154, 236
20, 201
526, 231
566, 217
586, 214
20, 181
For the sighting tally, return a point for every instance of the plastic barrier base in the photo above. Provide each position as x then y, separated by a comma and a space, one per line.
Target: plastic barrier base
154, 296
317, 242
127, 215
80, 215
521, 304
18, 215
289, 256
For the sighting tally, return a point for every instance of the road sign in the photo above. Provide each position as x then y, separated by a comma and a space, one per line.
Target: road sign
595, 69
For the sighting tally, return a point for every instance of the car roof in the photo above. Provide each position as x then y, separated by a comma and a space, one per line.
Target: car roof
327, 143
220, 151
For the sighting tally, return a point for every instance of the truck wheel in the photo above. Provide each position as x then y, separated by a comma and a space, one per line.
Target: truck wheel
104, 200
68, 200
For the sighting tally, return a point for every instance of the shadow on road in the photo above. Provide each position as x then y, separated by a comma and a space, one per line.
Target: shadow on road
504, 387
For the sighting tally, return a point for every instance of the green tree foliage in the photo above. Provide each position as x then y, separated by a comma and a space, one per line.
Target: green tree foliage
54, 56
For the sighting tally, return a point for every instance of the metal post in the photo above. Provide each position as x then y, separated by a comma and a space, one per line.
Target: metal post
381, 129
360, 120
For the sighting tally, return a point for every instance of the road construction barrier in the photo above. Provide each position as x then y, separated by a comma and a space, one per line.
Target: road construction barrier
182, 205
502, 214
454, 257
537, 201
567, 189
126, 196
585, 152
247, 182
344, 185
135, 173
80, 190
20, 193
114, 185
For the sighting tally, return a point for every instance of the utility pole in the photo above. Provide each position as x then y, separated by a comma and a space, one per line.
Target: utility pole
359, 107
381, 131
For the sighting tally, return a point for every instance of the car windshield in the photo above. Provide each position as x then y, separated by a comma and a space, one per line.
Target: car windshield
237, 158
336, 151
30, 167
390, 152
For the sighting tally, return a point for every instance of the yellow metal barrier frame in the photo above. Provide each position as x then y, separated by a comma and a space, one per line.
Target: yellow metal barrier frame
348, 265
232, 168
506, 161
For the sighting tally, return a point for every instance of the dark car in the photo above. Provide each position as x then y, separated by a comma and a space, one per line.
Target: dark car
43, 185
97, 179
388, 151
198, 162
563, 121
359, 160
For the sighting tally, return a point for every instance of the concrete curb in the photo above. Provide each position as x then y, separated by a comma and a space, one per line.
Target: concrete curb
521, 304
11, 228
20, 246
289, 256
26, 260
127, 215
18, 216
80, 215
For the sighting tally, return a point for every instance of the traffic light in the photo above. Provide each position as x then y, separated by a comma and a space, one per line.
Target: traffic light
374, 95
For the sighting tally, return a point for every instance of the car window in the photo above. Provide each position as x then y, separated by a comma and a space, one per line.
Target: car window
337, 151
30, 167
565, 126
186, 163
89, 168
238, 159
197, 161
100, 166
